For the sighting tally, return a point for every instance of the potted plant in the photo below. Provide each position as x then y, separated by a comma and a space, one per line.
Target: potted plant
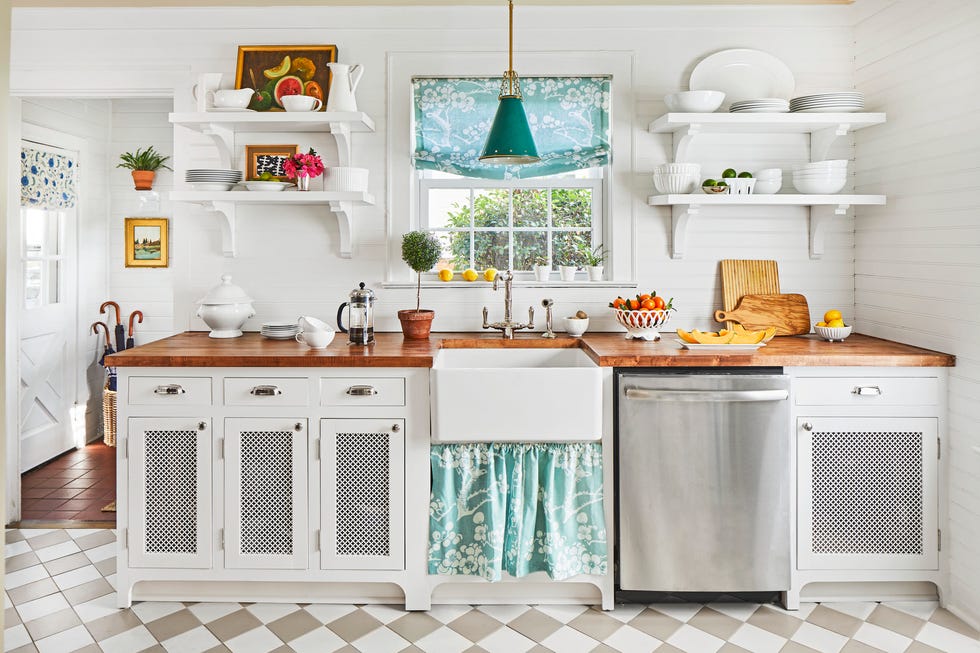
421, 251
567, 267
542, 271
593, 261
302, 168
144, 164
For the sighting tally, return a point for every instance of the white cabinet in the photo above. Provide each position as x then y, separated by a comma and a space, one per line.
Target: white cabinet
868, 493
362, 514
822, 129
266, 493
169, 500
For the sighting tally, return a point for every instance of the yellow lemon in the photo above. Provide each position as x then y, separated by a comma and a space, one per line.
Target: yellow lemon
490, 274
830, 316
821, 324
836, 323
470, 274
445, 274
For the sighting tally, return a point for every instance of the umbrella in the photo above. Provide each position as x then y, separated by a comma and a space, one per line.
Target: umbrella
130, 342
108, 350
120, 329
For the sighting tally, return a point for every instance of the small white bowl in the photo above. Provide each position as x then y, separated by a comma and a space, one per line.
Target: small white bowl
822, 165
833, 334
769, 173
767, 186
675, 184
267, 186
694, 101
678, 169
819, 186
715, 190
576, 326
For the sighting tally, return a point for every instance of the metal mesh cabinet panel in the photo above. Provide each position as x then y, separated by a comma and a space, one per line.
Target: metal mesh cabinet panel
869, 489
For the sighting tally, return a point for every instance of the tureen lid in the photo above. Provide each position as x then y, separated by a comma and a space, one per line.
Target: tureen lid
225, 293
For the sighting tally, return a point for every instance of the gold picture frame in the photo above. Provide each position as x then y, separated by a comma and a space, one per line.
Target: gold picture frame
262, 67
267, 158
147, 242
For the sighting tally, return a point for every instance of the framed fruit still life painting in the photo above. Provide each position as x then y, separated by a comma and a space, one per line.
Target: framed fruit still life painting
274, 71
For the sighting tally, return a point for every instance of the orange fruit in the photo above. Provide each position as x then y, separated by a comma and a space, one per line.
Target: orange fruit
660, 303
648, 304
619, 302
634, 304
645, 296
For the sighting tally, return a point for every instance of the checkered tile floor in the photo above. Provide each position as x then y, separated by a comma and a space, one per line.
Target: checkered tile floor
59, 597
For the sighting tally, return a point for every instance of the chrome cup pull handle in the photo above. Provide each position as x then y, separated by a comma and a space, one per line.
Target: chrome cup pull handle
170, 389
362, 390
265, 391
866, 390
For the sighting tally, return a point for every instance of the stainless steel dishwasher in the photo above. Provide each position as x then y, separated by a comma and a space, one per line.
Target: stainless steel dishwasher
703, 486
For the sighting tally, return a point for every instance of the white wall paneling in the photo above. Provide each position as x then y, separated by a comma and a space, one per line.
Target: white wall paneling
917, 272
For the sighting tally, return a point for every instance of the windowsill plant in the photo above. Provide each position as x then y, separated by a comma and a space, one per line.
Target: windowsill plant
594, 259
421, 251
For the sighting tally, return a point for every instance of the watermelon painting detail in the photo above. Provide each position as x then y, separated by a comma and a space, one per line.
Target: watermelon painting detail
275, 71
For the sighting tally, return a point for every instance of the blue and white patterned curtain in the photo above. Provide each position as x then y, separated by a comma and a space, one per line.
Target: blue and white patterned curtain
47, 179
569, 118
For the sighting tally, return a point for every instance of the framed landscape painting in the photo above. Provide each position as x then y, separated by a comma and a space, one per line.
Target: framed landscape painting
273, 71
267, 158
147, 243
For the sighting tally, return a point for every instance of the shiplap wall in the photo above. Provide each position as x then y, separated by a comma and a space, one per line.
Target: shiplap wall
288, 258
918, 258
90, 121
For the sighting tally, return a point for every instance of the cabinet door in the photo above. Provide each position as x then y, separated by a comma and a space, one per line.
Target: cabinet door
362, 515
868, 494
266, 525
169, 492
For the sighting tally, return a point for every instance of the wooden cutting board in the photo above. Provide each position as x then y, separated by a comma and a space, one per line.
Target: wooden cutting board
741, 277
788, 313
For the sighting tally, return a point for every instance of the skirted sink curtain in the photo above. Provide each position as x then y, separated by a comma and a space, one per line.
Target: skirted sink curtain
517, 508
569, 118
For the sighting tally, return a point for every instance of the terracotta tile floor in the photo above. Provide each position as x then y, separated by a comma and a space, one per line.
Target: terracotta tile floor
74, 486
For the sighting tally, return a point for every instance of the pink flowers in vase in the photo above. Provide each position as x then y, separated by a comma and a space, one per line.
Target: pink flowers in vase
303, 167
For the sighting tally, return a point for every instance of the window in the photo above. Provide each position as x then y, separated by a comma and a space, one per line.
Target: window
42, 255
512, 217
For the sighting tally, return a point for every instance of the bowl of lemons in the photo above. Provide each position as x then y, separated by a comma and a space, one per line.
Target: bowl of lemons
832, 328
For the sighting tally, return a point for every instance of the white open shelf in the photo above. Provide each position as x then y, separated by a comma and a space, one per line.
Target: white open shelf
822, 208
276, 121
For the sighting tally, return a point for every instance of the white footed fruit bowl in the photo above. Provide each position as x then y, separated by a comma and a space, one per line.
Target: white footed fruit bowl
642, 325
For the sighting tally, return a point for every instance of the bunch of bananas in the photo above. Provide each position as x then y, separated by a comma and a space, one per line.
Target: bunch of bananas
737, 336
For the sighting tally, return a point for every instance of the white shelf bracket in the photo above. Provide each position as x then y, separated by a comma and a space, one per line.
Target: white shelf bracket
682, 141
341, 134
344, 212
822, 139
819, 217
226, 212
680, 216
224, 141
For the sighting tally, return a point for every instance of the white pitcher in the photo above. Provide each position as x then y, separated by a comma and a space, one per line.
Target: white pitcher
343, 85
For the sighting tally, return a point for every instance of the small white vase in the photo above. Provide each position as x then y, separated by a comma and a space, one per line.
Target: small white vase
302, 183
595, 272
567, 272
542, 272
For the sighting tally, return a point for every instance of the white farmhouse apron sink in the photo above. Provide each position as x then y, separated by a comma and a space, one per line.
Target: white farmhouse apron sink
515, 395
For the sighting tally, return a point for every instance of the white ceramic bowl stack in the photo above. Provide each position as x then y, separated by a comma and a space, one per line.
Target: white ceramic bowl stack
768, 181
694, 101
820, 177
676, 178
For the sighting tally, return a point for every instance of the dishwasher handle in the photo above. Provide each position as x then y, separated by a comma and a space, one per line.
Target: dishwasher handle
717, 396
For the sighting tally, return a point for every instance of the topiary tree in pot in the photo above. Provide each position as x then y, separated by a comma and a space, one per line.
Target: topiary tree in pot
421, 251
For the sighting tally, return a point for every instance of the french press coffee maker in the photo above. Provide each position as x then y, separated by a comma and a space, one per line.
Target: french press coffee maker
360, 318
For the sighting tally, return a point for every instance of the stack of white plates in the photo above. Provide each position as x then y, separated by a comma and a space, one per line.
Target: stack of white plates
213, 179
820, 177
844, 101
280, 330
763, 105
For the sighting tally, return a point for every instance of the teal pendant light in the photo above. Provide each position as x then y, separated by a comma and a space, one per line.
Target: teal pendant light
510, 141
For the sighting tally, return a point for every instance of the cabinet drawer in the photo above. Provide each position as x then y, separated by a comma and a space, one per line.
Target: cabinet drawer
169, 391
867, 391
362, 392
267, 392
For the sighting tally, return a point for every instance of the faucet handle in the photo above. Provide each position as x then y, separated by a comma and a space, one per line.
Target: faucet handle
486, 315
530, 317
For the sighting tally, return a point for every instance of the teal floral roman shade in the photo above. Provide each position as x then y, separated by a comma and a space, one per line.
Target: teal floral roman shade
569, 118
47, 179
517, 508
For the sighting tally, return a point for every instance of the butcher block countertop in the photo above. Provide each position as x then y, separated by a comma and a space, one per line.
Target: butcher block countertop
196, 349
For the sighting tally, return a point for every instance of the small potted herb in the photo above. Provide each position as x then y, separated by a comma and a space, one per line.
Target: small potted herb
567, 267
421, 251
542, 271
593, 261
144, 164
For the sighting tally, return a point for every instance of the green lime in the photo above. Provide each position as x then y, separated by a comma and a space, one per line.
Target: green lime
709, 182
729, 173
722, 183
745, 175
267, 176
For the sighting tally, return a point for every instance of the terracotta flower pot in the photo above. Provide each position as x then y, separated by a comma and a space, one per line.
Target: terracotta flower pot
416, 324
143, 179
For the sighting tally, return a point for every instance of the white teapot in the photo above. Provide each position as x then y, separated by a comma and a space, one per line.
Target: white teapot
225, 309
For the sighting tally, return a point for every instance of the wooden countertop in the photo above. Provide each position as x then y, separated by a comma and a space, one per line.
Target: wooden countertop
196, 349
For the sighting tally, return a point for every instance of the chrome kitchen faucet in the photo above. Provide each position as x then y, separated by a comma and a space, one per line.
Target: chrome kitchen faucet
508, 326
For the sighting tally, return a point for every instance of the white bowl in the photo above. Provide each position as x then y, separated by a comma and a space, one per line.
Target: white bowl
345, 179
267, 186
832, 163
642, 324
694, 101
674, 184
767, 186
833, 334
769, 173
819, 186
576, 326
741, 185
678, 169
225, 320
